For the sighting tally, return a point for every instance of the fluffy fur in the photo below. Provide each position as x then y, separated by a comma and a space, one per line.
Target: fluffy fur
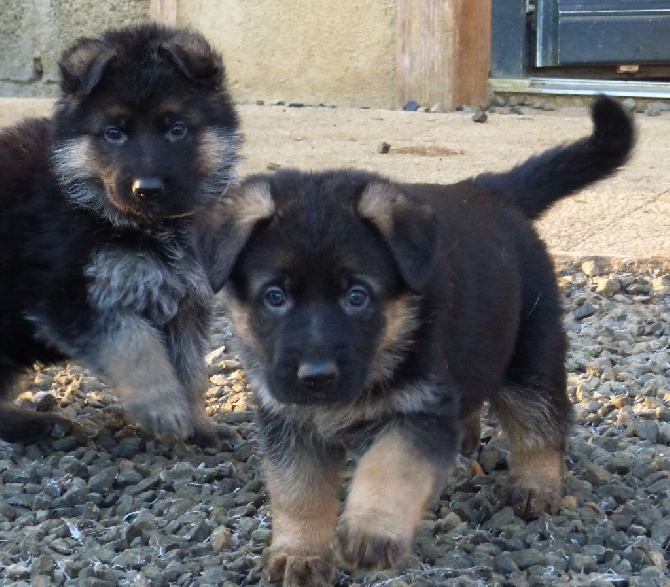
97, 205
378, 317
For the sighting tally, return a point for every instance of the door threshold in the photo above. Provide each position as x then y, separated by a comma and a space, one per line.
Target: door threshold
581, 87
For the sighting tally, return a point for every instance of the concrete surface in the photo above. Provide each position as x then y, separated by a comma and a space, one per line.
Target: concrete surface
626, 216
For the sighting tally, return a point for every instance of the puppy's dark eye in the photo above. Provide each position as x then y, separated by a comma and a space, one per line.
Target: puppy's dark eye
114, 135
357, 297
275, 297
177, 131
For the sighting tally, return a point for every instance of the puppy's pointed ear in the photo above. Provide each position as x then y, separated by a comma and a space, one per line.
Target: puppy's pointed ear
83, 65
193, 56
409, 227
222, 233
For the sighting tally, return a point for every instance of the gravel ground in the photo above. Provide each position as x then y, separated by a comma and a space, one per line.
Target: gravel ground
106, 505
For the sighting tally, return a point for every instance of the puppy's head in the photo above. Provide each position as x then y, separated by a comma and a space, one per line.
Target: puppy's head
145, 129
324, 273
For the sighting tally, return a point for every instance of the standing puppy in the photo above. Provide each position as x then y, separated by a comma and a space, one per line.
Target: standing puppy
379, 317
96, 226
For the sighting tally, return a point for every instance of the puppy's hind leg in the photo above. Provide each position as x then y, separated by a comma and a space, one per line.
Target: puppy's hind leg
21, 425
535, 412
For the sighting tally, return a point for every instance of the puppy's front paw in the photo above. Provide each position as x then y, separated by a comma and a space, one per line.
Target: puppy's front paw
165, 419
370, 542
296, 570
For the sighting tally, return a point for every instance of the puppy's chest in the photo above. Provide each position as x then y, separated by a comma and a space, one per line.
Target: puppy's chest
155, 284
354, 424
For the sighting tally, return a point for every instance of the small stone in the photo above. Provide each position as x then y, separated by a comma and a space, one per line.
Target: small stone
103, 481
581, 563
500, 519
629, 104
480, 116
222, 539
260, 102
652, 110
17, 571
383, 148
515, 110
199, 533
43, 565
584, 311
296, 105
505, 564
273, 166
538, 104
464, 108
597, 475
594, 267
436, 108
411, 106
422, 109
44, 401
607, 286
528, 558
644, 429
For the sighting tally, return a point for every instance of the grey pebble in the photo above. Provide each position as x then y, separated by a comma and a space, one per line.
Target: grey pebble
480, 116
383, 148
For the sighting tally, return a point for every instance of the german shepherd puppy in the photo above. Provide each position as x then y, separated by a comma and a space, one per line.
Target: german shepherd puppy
97, 262
379, 317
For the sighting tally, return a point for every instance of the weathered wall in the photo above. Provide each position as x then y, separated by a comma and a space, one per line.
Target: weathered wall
375, 53
303, 50
33, 33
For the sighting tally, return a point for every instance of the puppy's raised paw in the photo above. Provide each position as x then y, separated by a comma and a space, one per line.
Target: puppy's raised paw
364, 543
293, 570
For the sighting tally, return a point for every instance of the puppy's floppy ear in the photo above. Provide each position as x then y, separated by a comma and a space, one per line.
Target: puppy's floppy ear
193, 56
223, 232
82, 65
409, 227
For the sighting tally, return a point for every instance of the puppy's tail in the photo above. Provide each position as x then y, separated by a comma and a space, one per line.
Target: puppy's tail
535, 185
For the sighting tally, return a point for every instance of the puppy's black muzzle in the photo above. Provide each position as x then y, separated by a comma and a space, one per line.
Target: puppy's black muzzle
147, 188
317, 376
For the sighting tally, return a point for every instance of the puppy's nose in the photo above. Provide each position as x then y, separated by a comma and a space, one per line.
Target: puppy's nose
146, 188
315, 374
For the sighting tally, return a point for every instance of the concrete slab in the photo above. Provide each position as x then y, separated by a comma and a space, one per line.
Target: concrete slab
626, 216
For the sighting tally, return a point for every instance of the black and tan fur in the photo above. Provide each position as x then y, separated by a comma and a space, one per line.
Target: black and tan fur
97, 262
378, 317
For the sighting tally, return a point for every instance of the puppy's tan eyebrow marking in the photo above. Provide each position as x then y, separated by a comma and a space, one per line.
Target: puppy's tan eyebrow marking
117, 111
368, 280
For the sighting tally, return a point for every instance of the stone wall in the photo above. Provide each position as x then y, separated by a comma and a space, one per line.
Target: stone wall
295, 50
33, 34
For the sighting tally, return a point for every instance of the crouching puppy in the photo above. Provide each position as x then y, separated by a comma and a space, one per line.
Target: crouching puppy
378, 317
97, 262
